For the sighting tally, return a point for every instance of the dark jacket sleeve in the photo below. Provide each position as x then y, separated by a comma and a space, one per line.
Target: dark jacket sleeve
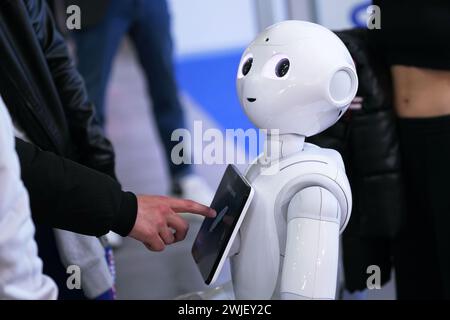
94, 149
69, 196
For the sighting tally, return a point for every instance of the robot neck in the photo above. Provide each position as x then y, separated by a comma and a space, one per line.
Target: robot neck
280, 146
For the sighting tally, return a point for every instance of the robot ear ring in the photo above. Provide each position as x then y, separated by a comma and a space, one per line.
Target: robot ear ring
342, 87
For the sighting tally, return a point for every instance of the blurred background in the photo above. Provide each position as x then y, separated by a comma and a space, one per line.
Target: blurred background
209, 38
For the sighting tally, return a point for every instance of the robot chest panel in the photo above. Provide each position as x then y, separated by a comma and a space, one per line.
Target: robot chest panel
255, 269
260, 220
266, 218
269, 184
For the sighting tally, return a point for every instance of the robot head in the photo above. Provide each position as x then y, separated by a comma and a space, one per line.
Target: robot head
297, 77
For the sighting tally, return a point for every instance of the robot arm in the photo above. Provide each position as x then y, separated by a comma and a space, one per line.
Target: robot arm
311, 258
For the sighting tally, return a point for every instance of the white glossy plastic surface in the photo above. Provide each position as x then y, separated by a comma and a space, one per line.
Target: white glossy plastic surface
311, 256
311, 260
319, 86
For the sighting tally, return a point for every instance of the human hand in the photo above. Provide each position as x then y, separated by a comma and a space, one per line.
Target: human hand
158, 223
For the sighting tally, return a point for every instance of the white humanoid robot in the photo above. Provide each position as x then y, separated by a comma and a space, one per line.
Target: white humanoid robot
295, 80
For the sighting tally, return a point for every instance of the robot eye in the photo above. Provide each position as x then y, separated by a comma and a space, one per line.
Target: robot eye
282, 68
277, 68
247, 66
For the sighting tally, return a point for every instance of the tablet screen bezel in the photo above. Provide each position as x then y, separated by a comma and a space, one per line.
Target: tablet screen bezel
210, 277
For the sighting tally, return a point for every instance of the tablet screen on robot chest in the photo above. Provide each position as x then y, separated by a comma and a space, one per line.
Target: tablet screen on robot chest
216, 235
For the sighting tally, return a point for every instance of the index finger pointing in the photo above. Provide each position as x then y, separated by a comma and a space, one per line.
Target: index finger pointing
181, 206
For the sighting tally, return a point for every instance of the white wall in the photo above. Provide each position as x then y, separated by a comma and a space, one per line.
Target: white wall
200, 26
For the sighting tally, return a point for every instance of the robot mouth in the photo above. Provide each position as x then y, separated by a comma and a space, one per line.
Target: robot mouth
251, 99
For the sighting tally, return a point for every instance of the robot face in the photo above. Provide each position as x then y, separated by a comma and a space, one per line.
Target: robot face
297, 77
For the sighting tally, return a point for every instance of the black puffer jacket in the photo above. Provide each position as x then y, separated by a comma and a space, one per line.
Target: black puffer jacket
367, 139
42, 89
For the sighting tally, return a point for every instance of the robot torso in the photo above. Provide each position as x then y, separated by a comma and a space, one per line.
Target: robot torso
256, 268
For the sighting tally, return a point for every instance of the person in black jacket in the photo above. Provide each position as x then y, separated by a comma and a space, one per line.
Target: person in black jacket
367, 138
47, 100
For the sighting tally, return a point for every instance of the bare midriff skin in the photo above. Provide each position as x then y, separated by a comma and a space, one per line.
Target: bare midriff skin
420, 93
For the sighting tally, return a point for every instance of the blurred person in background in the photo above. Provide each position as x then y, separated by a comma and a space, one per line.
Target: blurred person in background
21, 274
414, 40
104, 24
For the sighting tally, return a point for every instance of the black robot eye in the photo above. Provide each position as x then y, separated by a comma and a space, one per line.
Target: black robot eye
282, 68
247, 66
